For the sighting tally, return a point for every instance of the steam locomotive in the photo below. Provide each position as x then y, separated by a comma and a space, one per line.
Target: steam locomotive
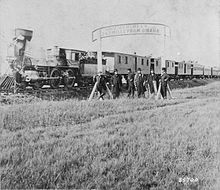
62, 66
70, 67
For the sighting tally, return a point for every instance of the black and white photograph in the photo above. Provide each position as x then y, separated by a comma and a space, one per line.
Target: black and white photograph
110, 94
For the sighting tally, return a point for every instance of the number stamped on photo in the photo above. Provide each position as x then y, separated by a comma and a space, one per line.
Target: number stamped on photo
188, 180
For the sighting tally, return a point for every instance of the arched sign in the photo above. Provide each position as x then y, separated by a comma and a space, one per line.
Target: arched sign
128, 29
131, 29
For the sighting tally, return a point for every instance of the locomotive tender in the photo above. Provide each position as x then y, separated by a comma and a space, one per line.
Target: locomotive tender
69, 67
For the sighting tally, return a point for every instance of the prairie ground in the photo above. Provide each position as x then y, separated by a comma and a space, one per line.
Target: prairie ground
113, 144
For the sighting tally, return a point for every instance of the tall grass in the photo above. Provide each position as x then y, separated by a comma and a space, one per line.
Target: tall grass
113, 144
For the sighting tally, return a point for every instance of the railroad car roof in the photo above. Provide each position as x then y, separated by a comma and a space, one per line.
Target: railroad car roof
110, 52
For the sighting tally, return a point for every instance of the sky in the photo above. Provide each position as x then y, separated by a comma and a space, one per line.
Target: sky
194, 26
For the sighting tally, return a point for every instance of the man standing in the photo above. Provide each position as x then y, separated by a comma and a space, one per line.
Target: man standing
130, 82
116, 84
152, 83
164, 79
101, 85
139, 83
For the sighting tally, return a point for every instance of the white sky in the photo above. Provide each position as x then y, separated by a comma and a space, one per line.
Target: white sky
69, 23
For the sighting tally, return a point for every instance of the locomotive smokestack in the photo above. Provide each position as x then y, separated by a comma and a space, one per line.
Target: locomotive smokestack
26, 33
21, 36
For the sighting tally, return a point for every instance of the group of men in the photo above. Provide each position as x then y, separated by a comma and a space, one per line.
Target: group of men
137, 82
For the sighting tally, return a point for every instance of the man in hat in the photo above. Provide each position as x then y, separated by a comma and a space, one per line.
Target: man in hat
101, 85
151, 81
130, 82
139, 83
116, 84
164, 79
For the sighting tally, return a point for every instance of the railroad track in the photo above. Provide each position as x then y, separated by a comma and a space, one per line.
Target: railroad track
59, 93
7, 86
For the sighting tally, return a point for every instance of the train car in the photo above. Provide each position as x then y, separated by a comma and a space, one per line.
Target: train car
207, 72
185, 69
122, 62
156, 65
218, 72
172, 68
180, 68
215, 72
198, 70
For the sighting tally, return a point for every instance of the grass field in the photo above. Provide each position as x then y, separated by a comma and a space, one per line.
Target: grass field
113, 144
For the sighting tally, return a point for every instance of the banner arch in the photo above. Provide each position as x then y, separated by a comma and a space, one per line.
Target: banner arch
128, 29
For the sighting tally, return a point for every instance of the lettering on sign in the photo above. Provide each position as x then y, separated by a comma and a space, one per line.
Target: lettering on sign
130, 29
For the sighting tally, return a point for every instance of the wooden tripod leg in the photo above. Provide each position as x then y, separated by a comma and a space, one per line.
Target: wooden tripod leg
109, 92
93, 91
158, 92
161, 96
148, 90
155, 87
170, 93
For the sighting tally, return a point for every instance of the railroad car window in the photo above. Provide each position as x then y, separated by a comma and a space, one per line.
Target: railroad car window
142, 61
119, 59
147, 63
184, 68
151, 60
76, 56
167, 63
73, 56
126, 60
157, 63
172, 64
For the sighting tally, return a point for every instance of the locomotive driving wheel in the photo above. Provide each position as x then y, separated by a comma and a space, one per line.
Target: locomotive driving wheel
55, 78
69, 78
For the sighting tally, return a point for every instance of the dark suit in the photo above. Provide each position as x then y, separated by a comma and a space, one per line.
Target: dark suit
116, 85
131, 86
164, 78
151, 78
139, 83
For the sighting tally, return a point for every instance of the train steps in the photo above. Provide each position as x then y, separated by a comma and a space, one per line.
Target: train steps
7, 83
